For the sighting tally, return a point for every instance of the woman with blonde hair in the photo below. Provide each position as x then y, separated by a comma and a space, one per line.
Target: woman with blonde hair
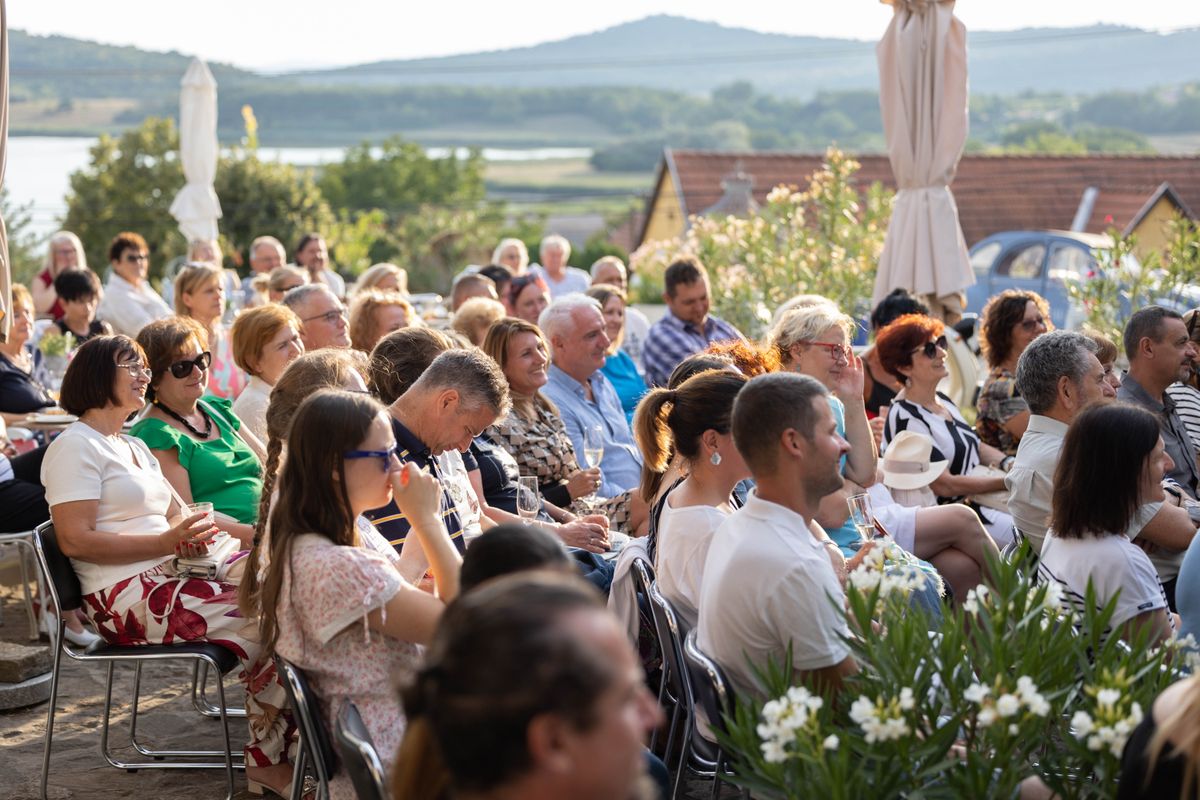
282, 280
265, 340
1162, 755
383, 277
63, 252
475, 316
200, 295
512, 253
374, 314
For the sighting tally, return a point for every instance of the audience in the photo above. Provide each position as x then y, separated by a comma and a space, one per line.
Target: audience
880, 386
1113, 462
619, 366
501, 276
769, 590
913, 349
198, 443
383, 277
22, 495
282, 280
265, 340
573, 726
329, 603
200, 295
687, 327
78, 292
129, 303
266, 255
64, 252
22, 385
120, 522
313, 257
586, 401
322, 316
692, 424
555, 254
469, 285
610, 270
1011, 320
527, 297
374, 314
1185, 393
475, 316
512, 254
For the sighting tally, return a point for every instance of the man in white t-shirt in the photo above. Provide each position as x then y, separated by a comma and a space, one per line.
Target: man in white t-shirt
768, 580
555, 252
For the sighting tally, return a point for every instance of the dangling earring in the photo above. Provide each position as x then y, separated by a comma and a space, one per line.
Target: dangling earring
715, 459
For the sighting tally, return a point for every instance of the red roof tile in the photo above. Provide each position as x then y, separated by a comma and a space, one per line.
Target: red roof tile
994, 193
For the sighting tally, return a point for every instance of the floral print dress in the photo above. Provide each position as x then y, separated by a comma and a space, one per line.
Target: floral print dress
999, 401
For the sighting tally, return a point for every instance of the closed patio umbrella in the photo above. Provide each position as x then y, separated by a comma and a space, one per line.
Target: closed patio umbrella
196, 207
923, 99
5, 267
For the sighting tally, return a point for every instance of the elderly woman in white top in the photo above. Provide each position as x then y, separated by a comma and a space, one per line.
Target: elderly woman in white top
129, 303
265, 340
512, 253
120, 522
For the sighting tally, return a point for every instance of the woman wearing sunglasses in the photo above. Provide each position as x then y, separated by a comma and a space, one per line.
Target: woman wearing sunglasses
913, 348
1011, 320
527, 297
121, 524
199, 443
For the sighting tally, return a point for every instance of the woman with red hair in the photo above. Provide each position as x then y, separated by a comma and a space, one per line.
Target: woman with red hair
913, 349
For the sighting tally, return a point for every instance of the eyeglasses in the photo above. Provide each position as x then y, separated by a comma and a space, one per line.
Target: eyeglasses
329, 317
181, 369
133, 257
837, 352
930, 348
1032, 324
136, 370
384, 456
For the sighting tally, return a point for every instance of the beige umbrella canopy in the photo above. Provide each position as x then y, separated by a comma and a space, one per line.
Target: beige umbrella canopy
196, 207
923, 98
5, 267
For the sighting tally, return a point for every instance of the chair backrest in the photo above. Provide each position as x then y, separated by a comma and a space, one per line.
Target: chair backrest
313, 730
711, 690
359, 756
670, 640
643, 576
65, 591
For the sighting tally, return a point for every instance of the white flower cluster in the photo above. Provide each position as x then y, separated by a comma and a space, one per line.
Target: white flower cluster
1006, 705
882, 720
1110, 727
879, 568
975, 597
785, 717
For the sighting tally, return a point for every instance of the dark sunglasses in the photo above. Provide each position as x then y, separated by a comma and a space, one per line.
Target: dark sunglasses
930, 348
181, 369
384, 456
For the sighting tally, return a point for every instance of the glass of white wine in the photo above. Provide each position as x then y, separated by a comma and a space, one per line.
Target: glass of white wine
593, 446
863, 516
529, 501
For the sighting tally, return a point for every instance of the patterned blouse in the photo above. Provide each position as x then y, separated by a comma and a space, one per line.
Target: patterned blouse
543, 449
999, 401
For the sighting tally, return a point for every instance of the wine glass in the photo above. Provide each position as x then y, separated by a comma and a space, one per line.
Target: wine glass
529, 501
593, 446
862, 515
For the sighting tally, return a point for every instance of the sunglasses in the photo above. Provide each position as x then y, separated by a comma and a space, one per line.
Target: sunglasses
384, 456
836, 351
135, 257
181, 369
930, 348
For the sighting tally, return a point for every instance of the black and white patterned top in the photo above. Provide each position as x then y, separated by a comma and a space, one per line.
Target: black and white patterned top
953, 439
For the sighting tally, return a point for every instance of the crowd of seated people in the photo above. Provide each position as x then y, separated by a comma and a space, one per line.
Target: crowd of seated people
358, 456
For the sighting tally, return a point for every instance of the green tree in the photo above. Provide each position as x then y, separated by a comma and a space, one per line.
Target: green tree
401, 178
23, 245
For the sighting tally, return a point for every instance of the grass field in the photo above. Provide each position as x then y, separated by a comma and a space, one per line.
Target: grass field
51, 116
566, 172
1179, 144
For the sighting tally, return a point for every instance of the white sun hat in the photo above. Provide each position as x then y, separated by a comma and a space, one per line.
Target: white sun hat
906, 464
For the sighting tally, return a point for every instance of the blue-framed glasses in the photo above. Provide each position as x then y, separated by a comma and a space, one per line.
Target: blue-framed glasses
384, 456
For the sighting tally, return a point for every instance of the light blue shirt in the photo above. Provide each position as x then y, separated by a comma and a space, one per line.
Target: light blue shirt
621, 466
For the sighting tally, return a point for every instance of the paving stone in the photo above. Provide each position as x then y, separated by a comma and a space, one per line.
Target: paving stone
19, 662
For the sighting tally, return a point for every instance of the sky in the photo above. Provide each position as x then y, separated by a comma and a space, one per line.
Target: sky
293, 34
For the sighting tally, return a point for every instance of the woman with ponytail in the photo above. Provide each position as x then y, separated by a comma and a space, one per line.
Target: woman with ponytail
332, 606
529, 689
692, 423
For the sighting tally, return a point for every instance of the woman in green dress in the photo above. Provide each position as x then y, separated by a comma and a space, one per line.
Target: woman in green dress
199, 443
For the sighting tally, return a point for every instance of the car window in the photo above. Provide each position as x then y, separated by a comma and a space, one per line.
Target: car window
1022, 261
1070, 262
981, 259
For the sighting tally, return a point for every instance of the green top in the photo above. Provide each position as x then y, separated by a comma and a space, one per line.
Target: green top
223, 471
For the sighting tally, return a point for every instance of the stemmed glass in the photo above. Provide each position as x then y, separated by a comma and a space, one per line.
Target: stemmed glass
593, 447
529, 501
863, 516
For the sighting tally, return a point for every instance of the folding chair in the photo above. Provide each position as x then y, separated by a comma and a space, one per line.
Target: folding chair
359, 755
670, 638
19, 541
316, 751
710, 692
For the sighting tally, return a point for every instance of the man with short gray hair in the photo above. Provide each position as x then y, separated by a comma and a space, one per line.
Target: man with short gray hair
555, 253
574, 326
611, 270
322, 316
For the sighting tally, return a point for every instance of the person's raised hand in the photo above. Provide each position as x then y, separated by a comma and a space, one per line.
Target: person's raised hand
417, 493
849, 384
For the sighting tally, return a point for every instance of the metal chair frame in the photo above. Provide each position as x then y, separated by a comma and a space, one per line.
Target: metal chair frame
359, 755
707, 676
199, 653
315, 750
643, 576
17, 541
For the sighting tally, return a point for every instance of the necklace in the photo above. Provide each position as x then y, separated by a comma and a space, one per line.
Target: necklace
208, 424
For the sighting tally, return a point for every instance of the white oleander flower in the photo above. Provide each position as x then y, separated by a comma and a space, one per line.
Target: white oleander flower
1008, 705
974, 598
1107, 698
830, 743
1081, 724
986, 716
976, 693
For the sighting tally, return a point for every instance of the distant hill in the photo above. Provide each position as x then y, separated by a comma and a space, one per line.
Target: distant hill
675, 53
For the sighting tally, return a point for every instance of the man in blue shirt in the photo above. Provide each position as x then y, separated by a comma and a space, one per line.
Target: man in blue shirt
687, 327
574, 326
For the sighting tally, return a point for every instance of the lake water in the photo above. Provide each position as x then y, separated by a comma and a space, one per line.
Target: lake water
39, 168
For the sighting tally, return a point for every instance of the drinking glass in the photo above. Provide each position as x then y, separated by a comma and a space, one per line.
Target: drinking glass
593, 447
202, 508
863, 516
529, 501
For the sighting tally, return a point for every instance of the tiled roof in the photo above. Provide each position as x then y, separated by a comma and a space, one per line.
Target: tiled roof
994, 192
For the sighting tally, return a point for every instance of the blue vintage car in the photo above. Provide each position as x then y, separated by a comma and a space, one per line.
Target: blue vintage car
1039, 261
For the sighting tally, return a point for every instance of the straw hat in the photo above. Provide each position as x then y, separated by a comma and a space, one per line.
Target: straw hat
906, 464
